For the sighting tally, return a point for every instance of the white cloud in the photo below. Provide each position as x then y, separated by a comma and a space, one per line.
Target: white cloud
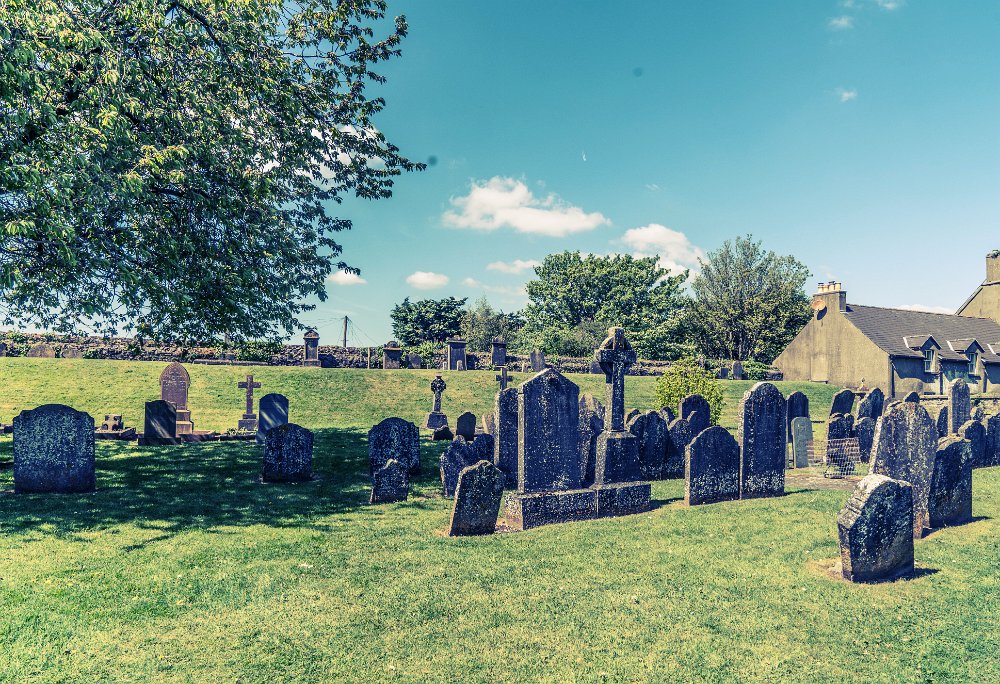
515, 266
345, 278
507, 202
497, 289
652, 187
427, 280
675, 250
889, 5
846, 95
927, 309
841, 23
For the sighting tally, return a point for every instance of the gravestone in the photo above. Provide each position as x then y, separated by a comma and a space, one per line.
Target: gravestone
436, 419
477, 500
802, 438
537, 361
876, 530
288, 454
651, 431
489, 422
797, 406
414, 361
249, 420
761, 436
442, 434
498, 352
978, 414
712, 468
54, 450
112, 423
631, 415
959, 404
975, 433
864, 430
843, 402
591, 425
456, 457
723, 373
943, 423
483, 447
503, 378
950, 498
455, 354
668, 414
839, 426
70, 351
505, 446
390, 483
3, 349
905, 446
41, 350
392, 355
465, 426
911, 398
738, 373
174, 384
160, 424
595, 368
310, 349
695, 410
394, 438
993, 440
273, 412
871, 406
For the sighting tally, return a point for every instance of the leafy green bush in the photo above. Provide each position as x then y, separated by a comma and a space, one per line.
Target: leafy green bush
16, 336
685, 377
257, 350
754, 370
94, 353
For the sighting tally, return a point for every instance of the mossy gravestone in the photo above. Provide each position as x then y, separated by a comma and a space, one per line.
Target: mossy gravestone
482, 447
843, 402
54, 450
802, 437
761, 436
950, 498
477, 500
590, 426
390, 483
871, 406
288, 451
943, 424
864, 430
993, 440
505, 448
905, 446
876, 530
680, 436
695, 410
797, 406
394, 438
651, 431
712, 468
975, 432
959, 404
273, 409
454, 460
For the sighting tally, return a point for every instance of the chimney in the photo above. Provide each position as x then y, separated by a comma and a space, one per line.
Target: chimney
829, 297
993, 267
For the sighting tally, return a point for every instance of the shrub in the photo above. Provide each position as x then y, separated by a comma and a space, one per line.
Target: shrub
755, 370
685, 377
94, 353
257, 350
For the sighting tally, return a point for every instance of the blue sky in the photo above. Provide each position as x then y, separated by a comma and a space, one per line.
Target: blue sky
861, 136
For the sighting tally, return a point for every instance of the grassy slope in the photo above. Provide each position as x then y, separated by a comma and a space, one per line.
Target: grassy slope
182, 567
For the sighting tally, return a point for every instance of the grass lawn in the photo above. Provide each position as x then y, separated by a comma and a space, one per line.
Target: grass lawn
182, 567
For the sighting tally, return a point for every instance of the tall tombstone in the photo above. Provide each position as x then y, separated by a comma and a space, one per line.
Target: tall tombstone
414, 361
591, 425
712, 468
477, 500
249, 420
843, 402
943, 422
738, 373
466, 426
797, 406
392, 355
950, 498
436, 419
695, 410
456, 457
975, 433
871, 405
992, 455
498, 352
310, 349
288, 454
651, 431
394, 438
390, 483
273, 409
959, 404
876, 530
905, 446
839, 426
175, 382
548, 430
617, 450
537, 361
160, 424
483, 447
489, 422
802, 439
54, 450
505, 445
455, 354
761, 436
864, 430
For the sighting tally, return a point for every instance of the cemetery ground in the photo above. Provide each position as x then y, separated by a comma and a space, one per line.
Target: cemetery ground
182, 566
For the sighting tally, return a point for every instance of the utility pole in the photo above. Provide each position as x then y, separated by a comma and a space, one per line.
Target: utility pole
345, 331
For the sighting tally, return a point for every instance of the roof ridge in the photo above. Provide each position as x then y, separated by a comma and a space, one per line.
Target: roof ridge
928, 313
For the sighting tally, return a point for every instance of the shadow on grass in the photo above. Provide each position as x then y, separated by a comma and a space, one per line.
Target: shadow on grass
200, 486
973, 519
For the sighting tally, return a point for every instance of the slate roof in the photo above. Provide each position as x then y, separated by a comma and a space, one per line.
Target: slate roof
891, 329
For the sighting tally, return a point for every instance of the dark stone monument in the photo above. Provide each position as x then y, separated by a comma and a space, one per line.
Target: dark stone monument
41, 350
249, 420
498, 353
843, 402
595, 368
797, 406
871, 406
455, 354
465, 426
738, 373
537, 361
310, 346
712, 468
876, 531
631, 415
905, 446
591, 425
802, 437
442, 434
668, 414
288, 454
174, 384
414, 361
651, 431
160, 425
483, 447
392, 355
993, 440
273, 412
436, 419
54, 450
456, 457
503, 378
394, 438
695, 410
390, 483
839, 426
978, 414
911, 398
943, 424
975, 433
950, 498
959, 404
761, 436
505, 445
477, 500
864, 430
723, 373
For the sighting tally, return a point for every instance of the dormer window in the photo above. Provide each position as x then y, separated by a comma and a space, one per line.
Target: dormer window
929, 357
973, 361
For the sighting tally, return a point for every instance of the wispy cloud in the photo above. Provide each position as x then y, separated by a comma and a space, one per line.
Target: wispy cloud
675, 250
427, 280
346, 279
841, 23
926, 308
515, 266
496, 289
889, 5
507, 202
846, 94
652, 187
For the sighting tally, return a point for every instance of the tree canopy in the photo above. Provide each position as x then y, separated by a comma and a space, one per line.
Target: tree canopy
166, 166
482, 323
427, 320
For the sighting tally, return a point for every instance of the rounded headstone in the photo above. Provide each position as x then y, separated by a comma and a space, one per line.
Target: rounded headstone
54, 450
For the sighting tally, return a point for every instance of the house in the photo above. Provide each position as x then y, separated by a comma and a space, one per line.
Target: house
899, 350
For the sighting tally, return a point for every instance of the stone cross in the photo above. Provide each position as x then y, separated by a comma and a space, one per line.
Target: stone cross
615, 357
502, 378
437, 387
249, 386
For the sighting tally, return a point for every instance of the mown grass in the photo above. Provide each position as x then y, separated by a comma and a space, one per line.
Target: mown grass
182, 567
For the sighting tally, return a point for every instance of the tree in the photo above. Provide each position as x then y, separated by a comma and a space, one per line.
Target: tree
166, 166
685, 377
575, 299
429, 320
748, 303
481, 323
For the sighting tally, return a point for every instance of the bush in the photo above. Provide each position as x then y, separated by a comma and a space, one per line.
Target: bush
94, 353
685, 377
257, 350
754, 370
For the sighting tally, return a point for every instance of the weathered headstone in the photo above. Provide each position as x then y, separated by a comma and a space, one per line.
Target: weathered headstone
112, 423
761, 436
392, 355
174, 384
871, 406
436, 419
950, 498
288, 454
498, 352
843, 402
595, 368
993, 440
796, 406
455, 358
537, 361
911, 398
310, 349
905, 446
978, 414
41, 350
273, 410
876, 530
802, 438
943, 423
483, 447
390, 483
632, 415
54, 450
668, 414
442, 434
838, 427
959, 404
414, 361
651, 431
712, 468
591, 425
505, 446
465, 426
738, 373
489, 422
160, 424
695, 410
249, 420
975, 433
477, 500
394, 438
864, 430
503, 378
723, 373
70, 351
456, 457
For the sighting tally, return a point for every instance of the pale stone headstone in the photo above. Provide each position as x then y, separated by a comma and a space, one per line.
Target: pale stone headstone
505, 446
54, 450
394, 438
70, 351
477, 500
466, 426
959, 404
871, 406
802, 437
651, 431
390, 483
843, 402
456, 457
950, 498
617, 449
273, 409
160, 424
975, 432
537, 359
797, 406
392, 355
864, 430
905, 446
876, 530
695, 410
761, 436
436, 418
712, 468
174, 385
489, 423
288, 452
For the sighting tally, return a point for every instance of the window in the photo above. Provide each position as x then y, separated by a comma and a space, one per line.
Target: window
973, 362
928, 360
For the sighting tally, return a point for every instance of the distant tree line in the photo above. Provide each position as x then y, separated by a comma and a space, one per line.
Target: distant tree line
745, 303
